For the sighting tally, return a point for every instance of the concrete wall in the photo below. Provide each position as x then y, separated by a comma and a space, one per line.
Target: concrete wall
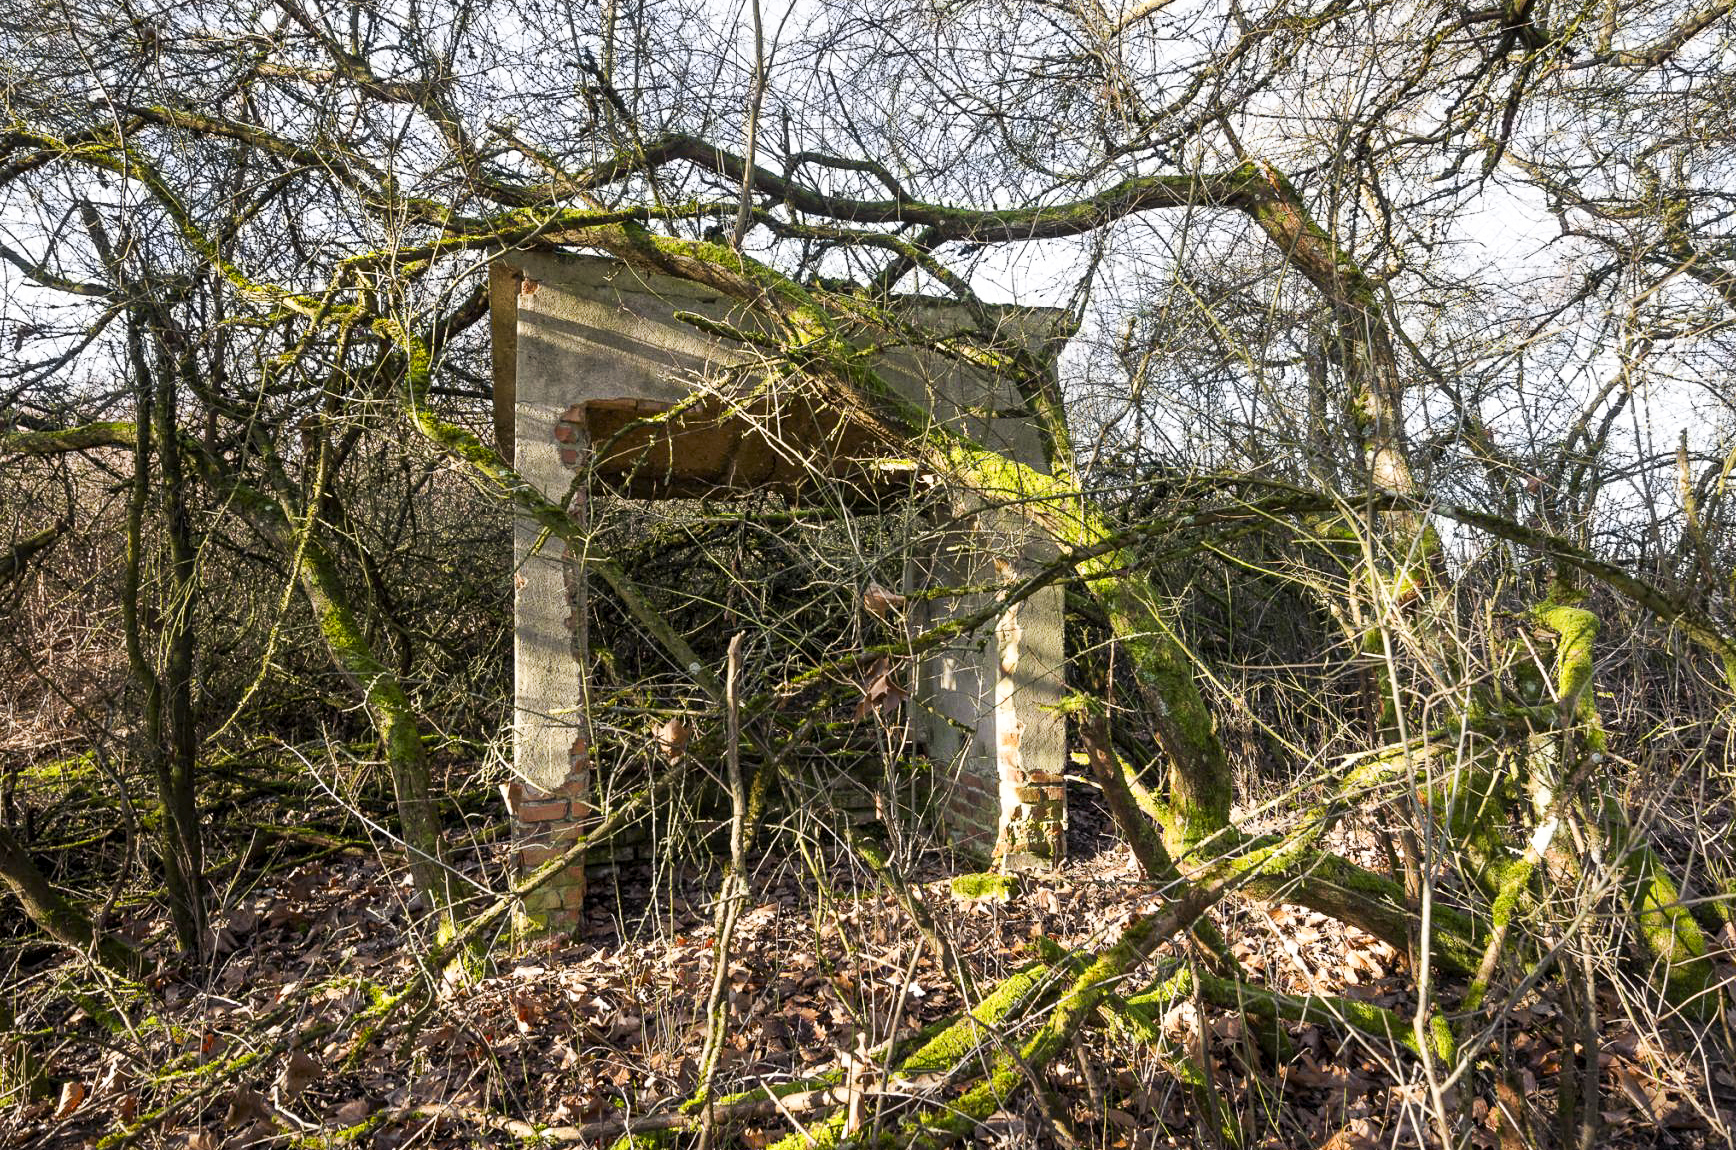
585, 349
989, 702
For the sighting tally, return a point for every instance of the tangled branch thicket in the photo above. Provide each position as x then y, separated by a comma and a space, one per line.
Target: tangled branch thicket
1387, 470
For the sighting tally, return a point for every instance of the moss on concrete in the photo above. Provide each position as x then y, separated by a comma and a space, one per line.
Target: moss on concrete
985, 887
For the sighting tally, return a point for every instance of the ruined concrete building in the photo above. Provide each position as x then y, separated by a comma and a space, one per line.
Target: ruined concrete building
600, 380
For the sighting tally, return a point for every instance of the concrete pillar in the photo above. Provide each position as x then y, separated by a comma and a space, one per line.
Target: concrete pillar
576, 342
990, 701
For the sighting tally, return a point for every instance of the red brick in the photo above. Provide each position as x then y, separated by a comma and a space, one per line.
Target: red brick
518, 794
569, 457
530, 858
565, 432
542, 812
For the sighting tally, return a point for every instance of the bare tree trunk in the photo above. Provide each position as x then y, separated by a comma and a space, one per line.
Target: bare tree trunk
730, 898
170, 743
394, 721
178, 826
180, 737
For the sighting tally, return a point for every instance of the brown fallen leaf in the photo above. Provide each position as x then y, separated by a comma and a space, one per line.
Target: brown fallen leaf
243, 920
114, 1079
246, 1108
528, 1009
203, 1140
354, 1111
880, 602
1351, 1137
71, 1095
258, 1134
437, 1036
301, 886
1635, 1090
299, 1071
673, 737
880, 692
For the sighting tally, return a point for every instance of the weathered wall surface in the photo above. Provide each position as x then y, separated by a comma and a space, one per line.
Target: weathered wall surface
989, 703
584, 348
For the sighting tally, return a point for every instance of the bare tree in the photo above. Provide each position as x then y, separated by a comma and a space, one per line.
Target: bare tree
1385, 311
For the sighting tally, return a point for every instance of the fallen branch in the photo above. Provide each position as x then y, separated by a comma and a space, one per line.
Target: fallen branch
941, 1125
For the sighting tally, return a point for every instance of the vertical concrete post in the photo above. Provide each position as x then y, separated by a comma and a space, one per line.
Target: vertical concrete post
548, 796
992, 698
571, 336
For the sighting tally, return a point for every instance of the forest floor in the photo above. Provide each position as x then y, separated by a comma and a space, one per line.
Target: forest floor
568, 1040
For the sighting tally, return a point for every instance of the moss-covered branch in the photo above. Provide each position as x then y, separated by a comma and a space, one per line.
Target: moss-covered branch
63, 441
18, 556
55, 915
1668, 934
1347, 1014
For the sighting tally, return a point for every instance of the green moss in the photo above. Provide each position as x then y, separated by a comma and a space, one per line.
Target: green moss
985, 887
1477, 802
946, 1049
76, 769
1576, 636
1295, 871
1672, 936
1441, 1035
1082, 998
61, 441
1376, 1021
1514, 880
344, 1136
953, 1044
214, 1070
